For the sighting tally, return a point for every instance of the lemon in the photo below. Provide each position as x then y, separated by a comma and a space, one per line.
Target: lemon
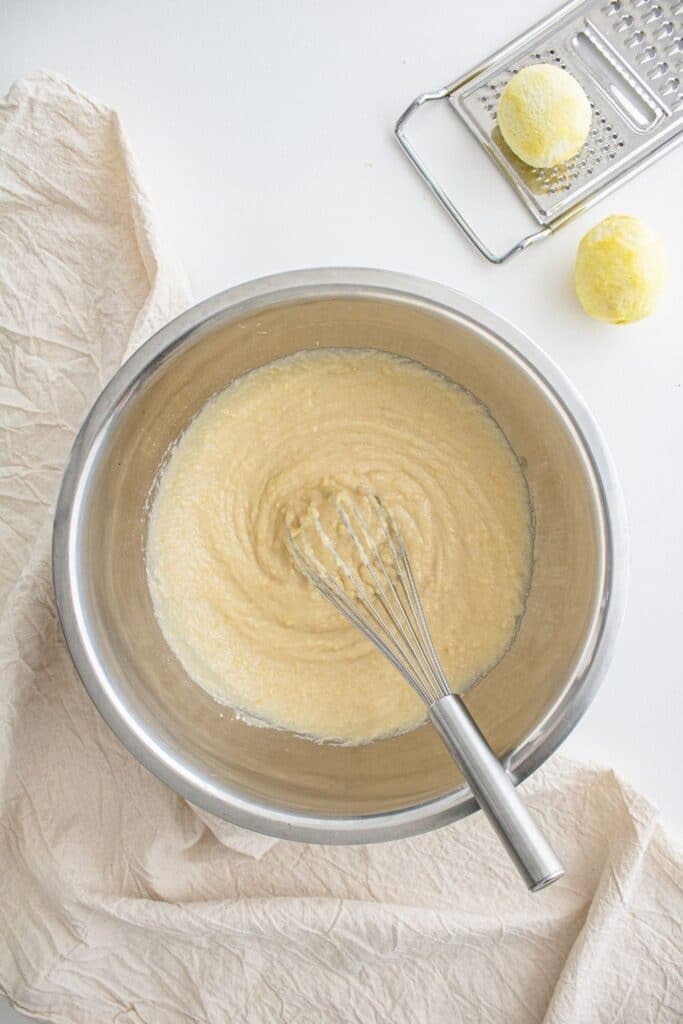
544, 115
620, 270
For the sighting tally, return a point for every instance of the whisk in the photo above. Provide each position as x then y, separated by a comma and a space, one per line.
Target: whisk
355, 556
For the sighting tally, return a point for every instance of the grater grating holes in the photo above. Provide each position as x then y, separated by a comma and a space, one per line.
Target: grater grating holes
652, 34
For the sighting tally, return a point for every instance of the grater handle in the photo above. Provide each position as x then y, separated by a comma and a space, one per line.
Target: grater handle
439, 192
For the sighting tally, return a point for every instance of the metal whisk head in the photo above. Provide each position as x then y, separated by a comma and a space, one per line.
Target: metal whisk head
357, 559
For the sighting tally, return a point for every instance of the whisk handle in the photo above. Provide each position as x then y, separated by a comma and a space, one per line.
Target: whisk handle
495, 793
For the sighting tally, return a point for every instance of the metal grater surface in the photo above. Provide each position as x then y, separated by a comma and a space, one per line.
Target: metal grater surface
628, 57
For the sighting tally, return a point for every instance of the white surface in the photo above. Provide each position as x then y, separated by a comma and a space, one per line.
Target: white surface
263, 132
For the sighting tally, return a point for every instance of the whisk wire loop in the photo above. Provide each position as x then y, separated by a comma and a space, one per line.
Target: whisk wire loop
400, 612
393, 618
374, 626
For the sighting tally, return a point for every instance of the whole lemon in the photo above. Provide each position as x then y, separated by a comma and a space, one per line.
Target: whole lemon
544, 115
620, 270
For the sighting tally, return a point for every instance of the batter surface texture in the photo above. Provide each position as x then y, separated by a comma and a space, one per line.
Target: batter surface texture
246, 625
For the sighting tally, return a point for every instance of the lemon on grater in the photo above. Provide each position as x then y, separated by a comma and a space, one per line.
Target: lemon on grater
544, 115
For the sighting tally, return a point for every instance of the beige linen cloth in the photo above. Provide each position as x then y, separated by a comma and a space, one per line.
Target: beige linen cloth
118, 900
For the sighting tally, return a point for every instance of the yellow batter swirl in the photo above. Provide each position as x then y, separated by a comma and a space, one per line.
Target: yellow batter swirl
246, 625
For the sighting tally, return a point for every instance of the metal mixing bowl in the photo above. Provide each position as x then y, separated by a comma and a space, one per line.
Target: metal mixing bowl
267, 779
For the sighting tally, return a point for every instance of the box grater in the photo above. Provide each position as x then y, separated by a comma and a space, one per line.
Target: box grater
628, 57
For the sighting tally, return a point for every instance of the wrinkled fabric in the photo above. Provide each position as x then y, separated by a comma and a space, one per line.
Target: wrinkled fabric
121, 902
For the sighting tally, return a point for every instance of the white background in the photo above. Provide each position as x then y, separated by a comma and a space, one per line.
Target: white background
263, 133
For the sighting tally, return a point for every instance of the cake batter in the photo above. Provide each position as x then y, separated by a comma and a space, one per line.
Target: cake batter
246, 625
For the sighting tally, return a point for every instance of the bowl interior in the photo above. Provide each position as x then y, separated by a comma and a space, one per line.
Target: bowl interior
274, 768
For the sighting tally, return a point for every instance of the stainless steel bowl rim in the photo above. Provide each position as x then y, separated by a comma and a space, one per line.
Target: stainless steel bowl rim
242, 300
